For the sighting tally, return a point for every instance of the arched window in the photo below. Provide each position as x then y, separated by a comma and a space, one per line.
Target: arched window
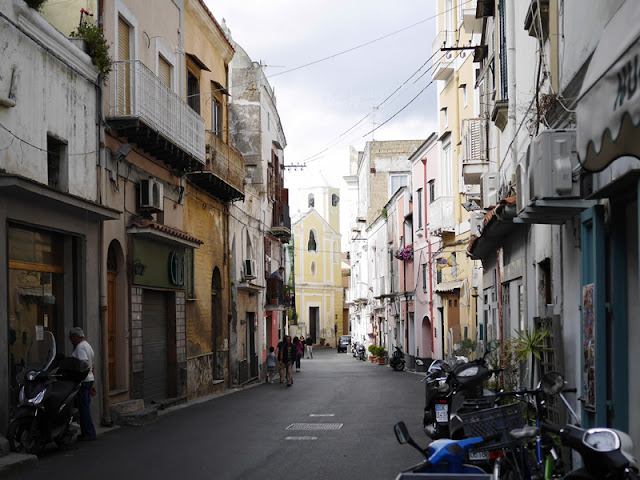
335, 199
311, 246
311, 201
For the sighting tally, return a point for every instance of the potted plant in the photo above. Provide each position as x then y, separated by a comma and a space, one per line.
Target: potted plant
322, 340
381, 355
372, 351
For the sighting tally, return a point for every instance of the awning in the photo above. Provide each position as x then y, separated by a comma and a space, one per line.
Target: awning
608, 111
448, 287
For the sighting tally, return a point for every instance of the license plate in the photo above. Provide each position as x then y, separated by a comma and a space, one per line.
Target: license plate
442, 412
478, 456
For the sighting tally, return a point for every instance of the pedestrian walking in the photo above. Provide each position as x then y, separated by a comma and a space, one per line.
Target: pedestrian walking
299, 349
303, 344
271, 365
309, 342
286, 356
83, 351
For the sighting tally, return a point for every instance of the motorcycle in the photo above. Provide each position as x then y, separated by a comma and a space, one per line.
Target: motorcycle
606, 452
455, 390
362, 352
397, 360
444, 458
46, 410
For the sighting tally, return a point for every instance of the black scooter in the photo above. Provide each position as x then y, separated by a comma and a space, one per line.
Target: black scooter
46, 401
454, 390
397, 360
361, 352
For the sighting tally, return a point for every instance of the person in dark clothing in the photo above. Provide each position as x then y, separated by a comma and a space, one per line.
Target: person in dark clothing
309, 342
287, 352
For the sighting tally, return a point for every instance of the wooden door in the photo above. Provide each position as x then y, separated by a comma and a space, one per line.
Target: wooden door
111, 323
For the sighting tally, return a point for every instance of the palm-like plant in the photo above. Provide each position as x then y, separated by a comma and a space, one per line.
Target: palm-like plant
530, 343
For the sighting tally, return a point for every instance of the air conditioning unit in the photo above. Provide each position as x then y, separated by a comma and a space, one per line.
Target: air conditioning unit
489, 184
151, 195
551, 162
249, 269
522, 183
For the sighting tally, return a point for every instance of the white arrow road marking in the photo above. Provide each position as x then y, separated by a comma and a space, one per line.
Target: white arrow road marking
322, 415
301, 438
315, 426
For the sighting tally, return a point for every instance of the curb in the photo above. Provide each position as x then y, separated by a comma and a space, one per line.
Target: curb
14, 461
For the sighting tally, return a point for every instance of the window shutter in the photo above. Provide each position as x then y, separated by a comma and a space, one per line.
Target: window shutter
123, 40
164, 71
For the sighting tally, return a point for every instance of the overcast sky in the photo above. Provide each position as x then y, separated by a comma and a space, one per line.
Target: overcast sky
318, 103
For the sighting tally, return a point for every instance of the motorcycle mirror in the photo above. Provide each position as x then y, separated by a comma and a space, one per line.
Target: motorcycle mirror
446, 367
402, 433
552, 383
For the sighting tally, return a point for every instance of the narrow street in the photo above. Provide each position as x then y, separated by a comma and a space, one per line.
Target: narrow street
335, 422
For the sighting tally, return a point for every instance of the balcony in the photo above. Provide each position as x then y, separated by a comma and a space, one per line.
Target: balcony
223, 173
442, 61
281, 225
441, 218
280, 296
358, 293
471, 23
148, 113
475, 160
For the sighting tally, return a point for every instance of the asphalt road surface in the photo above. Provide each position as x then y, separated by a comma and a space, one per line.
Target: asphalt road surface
335, 422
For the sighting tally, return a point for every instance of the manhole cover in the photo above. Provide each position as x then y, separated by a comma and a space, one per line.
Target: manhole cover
315, 426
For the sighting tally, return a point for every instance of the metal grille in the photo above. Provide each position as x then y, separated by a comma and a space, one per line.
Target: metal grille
315, 426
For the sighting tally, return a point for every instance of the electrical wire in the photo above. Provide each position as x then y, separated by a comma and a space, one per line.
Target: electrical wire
35, 146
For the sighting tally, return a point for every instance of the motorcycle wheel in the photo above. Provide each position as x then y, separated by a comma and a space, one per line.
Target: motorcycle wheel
25, 436
399, 367
66, 438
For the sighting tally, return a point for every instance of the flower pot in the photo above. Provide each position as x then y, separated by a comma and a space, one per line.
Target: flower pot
372, 359
382, 360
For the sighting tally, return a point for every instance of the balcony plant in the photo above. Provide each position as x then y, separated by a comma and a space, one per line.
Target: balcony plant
36, 4
97, 45
405, 254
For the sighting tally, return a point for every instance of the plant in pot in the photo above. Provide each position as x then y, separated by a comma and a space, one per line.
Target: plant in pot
372, 351
322, 340
381, 355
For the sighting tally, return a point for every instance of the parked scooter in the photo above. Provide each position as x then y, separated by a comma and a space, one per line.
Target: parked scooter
444, 458
362, 352
458, 389
46, 401
397, 360
606, 452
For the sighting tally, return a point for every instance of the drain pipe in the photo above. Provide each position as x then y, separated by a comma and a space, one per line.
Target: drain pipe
102, 288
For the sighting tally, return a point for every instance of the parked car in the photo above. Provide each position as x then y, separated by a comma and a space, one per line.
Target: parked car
343, 343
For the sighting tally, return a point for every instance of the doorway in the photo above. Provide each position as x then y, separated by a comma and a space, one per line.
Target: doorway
314, 319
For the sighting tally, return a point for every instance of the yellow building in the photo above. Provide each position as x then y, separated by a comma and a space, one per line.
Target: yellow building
458, 179
318, 267
206, 205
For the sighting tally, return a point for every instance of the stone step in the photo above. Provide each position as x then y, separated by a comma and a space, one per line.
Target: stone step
165, 403
139, 418
125, 408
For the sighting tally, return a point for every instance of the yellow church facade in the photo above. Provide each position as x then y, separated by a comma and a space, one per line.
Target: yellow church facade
318, 272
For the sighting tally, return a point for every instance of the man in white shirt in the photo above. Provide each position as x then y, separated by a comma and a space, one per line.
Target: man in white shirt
83, 351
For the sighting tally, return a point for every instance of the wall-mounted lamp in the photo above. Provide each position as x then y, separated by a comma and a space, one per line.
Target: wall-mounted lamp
138, 267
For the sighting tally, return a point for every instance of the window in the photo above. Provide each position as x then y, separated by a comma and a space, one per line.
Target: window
311, 245
419, 195
502, 58
311, 200
57, 164
397, 182
445, 116
216, 117
313, 269
432, 191
465, 102
335, 199
164, 71
424, 277
123, 71
193, 92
